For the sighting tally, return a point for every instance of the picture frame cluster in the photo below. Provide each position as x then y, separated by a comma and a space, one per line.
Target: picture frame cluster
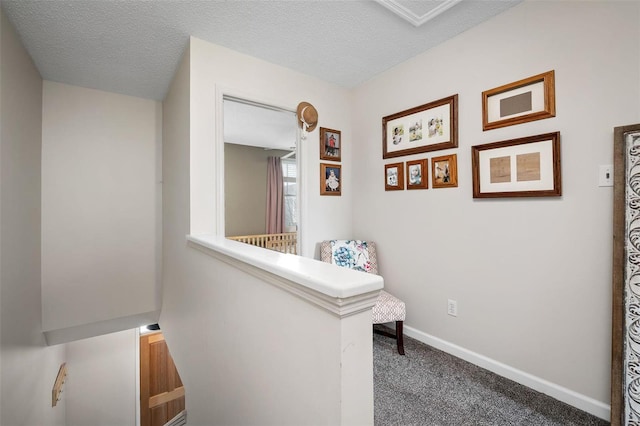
425, 128
444, 173
526, 166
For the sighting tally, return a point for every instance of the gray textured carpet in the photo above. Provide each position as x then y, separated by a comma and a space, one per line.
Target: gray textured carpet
428, 387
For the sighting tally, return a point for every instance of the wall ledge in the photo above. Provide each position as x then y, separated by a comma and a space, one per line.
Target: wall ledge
84, 331
340, 291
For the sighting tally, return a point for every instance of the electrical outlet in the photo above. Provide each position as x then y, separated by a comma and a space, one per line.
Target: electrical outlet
452, 307
605, 176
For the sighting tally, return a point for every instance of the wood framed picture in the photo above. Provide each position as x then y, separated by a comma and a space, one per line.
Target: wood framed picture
330, 144
417, 176
394, 177
425, 128
330, 179
524, 167
444, 171
525, 100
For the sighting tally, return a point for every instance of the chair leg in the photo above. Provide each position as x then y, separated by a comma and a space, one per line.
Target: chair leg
399, 337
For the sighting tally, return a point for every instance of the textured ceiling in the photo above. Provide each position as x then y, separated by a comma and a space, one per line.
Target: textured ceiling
255, 125
133, 46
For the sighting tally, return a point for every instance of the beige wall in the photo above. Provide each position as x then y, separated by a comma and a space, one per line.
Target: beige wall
219, 70
101, 384
100, 206
28, 367
245, 188
532, 277
227, 364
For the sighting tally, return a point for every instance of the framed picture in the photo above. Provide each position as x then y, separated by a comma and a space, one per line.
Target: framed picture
525, 167
330, 144
330, 179
444, 171
425, 128
394, 177
526, 100
417, 176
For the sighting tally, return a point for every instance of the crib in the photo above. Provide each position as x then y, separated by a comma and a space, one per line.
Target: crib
285, 243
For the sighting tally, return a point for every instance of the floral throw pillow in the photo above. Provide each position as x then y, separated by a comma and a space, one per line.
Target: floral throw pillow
351, 254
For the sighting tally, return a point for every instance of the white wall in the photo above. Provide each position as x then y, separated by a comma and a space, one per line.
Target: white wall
28, 367
101, 381
217, 68
100, 206
248, 324
532, 277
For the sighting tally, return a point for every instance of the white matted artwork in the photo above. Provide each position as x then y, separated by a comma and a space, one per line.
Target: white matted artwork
425, 128
530, 99
525, 167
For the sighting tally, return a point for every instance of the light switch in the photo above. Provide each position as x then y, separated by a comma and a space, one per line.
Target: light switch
605, 176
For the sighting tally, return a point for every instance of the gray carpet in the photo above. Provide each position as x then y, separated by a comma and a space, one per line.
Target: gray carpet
428, 387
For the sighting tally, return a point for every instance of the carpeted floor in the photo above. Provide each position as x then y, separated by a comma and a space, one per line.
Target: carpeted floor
428, 387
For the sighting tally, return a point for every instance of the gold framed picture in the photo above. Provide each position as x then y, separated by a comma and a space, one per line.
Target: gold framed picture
330, 144
444, 171
530, 99
394, 177
330, 179
417, 176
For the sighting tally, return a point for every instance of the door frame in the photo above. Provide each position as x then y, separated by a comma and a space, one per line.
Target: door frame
221, 93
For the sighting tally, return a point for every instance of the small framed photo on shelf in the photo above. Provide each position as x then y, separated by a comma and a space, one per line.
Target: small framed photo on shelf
525, 100
417, 176
444, 171
330, 144
425, 128
394, 177
524, 167
330, 179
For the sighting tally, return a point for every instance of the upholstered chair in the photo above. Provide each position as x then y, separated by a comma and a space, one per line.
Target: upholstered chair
361, 256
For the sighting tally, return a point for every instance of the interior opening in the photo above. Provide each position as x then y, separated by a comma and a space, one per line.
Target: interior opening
261, 169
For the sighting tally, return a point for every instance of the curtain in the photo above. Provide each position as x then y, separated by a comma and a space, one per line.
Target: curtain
275, 196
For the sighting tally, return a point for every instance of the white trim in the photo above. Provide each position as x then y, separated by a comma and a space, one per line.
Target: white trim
575, 399
341, 291
98, 328
219, 153
301, 197
220, 93
411, 17
137, 380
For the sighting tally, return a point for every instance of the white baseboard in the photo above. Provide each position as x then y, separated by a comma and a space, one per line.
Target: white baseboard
575, 399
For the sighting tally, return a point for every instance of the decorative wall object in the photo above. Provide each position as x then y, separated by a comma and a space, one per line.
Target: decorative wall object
525, 100
307, 118
444, 171
625, 342
424, 128
330, 144
394, 177
524, 167
417, 174
330, 179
